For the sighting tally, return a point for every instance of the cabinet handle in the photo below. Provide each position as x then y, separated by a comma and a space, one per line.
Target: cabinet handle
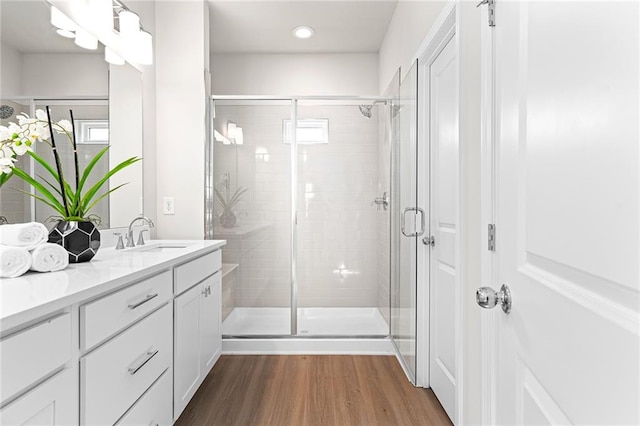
204, 292
143, 301
150, 354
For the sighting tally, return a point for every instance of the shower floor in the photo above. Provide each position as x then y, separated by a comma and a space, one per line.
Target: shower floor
311, 322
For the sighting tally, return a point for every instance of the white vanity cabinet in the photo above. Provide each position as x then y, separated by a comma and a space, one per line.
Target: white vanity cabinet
38, 384
126, 340
118, 372
197, 336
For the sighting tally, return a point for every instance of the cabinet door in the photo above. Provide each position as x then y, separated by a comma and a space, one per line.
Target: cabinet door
55, 402
187, 375
210, 337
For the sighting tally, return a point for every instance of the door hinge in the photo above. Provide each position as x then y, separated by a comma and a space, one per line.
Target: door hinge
491, 237
491, 4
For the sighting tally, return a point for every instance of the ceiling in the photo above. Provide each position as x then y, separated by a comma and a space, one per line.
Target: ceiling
341, 26
237, 26
24, 25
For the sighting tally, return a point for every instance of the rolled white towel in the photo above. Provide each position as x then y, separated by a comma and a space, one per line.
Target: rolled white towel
25, 235
49, 257
14, 261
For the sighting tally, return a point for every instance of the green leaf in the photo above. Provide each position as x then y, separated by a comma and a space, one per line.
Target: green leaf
53, 202
40, 199
4, 178
55, 188
88, 169
95, 188
97, 200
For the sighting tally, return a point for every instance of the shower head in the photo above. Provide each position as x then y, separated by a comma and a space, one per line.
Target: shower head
366, 109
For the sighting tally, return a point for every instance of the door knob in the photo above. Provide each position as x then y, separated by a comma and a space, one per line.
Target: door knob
488, 298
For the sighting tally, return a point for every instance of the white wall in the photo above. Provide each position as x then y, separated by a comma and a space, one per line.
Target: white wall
10, 71
147, 11
295, 74
180, 63
67, 74
409, 26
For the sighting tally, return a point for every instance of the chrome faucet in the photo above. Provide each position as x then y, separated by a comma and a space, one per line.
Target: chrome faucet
130, 242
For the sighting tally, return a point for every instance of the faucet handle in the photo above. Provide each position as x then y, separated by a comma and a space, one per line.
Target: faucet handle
141, 238
120, 244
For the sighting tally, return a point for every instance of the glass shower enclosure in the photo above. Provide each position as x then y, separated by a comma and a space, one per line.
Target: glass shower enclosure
299, 188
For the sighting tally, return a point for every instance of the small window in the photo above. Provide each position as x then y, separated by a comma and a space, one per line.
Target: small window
93, 131
310, 131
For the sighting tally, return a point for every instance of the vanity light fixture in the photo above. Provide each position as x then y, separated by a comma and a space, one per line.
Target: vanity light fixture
62, 21
85, 39
303, 32
129, 24
112, 57
65, 33
235, 133
144, 44
101, 13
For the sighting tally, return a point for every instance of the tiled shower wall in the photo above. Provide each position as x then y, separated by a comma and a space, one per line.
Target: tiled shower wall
383, 217
339, 241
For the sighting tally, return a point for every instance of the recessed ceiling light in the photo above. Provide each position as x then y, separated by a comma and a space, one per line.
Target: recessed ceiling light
303, 32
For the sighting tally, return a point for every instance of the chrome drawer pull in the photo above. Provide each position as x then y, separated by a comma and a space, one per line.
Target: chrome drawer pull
143, 301
150, 354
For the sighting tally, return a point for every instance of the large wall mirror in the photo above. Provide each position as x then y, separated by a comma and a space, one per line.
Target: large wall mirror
41, 68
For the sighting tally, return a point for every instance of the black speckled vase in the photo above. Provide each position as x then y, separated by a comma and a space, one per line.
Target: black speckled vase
80, 239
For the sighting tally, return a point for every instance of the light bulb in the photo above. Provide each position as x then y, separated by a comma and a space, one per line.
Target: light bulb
303, 32
129, 24
112, 57
144, 46
86, 40
61, 21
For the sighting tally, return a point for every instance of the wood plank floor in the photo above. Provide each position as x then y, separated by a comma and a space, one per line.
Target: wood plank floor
282, 390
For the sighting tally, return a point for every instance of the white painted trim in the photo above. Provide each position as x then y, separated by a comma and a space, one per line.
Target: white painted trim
488, 320
293, 346
444, 30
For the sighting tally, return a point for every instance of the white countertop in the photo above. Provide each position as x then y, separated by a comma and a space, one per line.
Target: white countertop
37, 294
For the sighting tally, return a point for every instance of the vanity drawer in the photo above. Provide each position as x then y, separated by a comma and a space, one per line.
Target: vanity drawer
114, 376
104, 317
30, 355
154, 408
191, 273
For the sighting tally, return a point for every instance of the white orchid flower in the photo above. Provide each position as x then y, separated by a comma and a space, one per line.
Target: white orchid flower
66, 126
41, 115
6, 164
6, 151
5, 134
21, 148
14, 128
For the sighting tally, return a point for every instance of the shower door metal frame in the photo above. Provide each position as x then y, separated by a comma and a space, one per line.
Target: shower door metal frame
294, 205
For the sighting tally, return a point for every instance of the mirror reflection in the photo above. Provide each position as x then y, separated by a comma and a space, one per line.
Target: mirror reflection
40, 68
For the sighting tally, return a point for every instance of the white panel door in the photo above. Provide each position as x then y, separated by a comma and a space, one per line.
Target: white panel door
186, 351
443, 119
567, 152
210, 317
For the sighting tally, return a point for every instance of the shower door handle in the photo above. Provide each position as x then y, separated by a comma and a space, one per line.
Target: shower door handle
417, 233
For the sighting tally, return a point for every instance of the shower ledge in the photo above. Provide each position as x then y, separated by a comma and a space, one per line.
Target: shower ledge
241, 230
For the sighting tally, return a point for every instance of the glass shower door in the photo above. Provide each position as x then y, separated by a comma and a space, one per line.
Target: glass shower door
407, 222
252, 212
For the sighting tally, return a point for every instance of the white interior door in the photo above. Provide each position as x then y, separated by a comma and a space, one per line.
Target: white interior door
567, 146
443, 137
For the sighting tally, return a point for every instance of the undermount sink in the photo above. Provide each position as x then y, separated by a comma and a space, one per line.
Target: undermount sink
157, 248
